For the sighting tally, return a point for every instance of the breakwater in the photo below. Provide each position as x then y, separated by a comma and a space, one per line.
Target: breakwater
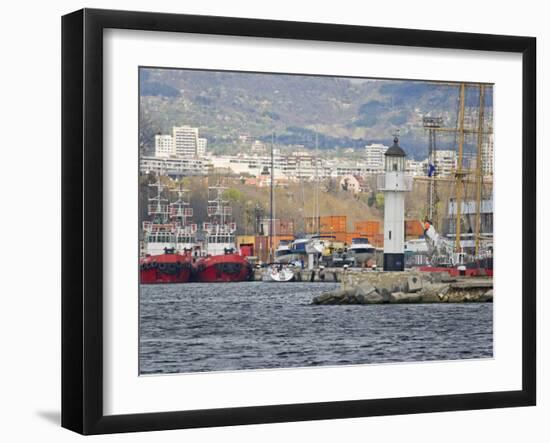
377, 287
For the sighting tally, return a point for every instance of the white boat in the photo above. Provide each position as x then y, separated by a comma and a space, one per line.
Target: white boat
278, 273
283, 253
292, 252
318, 243
361, 250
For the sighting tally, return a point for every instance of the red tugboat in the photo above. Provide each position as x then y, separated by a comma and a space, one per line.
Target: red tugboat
230, 267
168, 241
169, 267
222, 263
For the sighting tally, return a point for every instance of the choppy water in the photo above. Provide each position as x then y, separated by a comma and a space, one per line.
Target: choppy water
253, 325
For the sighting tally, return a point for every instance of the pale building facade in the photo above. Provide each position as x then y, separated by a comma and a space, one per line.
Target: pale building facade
186, 140
374, 156
445, 162
488, 156
164, 146
202, 144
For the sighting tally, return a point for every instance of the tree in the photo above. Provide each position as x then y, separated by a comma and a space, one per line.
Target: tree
379, 200
233, 194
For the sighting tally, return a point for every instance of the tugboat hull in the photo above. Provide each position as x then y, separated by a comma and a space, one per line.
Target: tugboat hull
165, 268
223, 268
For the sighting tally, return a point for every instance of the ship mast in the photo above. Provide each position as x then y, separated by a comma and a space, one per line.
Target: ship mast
479, 167
272, 181
179, 209
431, 124
216, 206
317, 212
459, 175
158, 206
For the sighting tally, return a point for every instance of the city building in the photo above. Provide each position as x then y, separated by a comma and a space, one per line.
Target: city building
202, 144
186, 141
252, 165
174, 166
416, 168
445, 162
258, 147
164, 146
374, 157
487, 156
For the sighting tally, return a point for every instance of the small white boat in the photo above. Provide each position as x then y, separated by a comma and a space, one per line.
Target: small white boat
279, 273
361, 250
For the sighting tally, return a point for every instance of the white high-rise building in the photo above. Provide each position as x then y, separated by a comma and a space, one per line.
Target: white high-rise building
445, 162
487, 156
416, 168
258, 147
164, 146
186, 140
374, 156
201, 147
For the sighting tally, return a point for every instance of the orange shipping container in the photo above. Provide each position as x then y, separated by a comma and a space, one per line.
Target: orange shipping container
352, 235
339, 236
284, 227
328, 224
413, 228
333, 223
368, 227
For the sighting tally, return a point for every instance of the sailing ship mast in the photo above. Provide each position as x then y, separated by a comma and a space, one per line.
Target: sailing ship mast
461, 179
479, 167
271, 209
317, 212
459, 168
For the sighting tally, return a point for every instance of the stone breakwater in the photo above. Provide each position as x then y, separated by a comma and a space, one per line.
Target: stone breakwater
407, 287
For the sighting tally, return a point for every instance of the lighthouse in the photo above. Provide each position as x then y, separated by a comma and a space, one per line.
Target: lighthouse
394, 184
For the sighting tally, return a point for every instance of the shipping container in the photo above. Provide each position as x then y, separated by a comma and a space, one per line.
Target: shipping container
339, 236
245, 239
368, 227
414, 228
280, 227
327, 224
351, 235
284, 227
247, 250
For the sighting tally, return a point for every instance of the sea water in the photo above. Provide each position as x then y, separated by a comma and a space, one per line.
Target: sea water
206, 327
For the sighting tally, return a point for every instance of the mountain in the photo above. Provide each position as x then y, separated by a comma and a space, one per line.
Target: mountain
332, 112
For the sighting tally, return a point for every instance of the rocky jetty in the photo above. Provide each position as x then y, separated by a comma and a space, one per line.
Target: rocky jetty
407, 287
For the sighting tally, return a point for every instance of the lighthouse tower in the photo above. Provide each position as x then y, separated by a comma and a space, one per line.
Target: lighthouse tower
394, 184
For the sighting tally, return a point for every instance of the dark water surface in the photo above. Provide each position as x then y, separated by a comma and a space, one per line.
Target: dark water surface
253, 325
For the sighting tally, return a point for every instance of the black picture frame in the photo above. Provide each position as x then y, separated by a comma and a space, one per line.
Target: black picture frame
82, 215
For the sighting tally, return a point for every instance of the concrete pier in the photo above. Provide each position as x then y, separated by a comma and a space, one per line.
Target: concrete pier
375, 287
